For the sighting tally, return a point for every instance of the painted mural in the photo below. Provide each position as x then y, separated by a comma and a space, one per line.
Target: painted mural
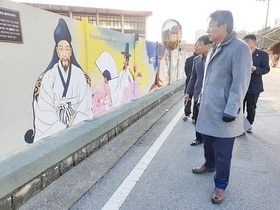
158, 57
62, 94
110, 55
66, 94
118, 87
70, 72
177, 69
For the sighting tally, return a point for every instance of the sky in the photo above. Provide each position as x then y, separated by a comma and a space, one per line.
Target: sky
249, 15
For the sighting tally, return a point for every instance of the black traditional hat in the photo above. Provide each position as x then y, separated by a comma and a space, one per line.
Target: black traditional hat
126, 53
62, 32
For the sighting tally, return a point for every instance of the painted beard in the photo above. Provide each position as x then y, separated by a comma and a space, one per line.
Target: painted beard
65, 63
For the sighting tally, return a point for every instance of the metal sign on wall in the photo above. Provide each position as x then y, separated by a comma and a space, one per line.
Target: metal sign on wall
10, 28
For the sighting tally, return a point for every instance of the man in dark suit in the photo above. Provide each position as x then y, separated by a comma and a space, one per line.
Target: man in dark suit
188, 71
195, 83
260, 66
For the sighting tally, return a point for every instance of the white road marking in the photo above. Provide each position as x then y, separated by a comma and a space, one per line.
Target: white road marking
118, 198
267, 98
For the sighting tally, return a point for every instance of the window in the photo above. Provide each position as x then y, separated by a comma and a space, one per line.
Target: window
135, 23
113, 22
77, 17
91, 18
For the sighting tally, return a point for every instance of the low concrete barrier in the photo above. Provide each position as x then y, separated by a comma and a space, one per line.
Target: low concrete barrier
26, 173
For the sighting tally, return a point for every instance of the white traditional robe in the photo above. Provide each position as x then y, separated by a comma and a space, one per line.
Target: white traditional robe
125, 81
52, 111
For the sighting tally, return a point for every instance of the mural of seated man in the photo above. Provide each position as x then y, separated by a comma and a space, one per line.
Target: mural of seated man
62, 95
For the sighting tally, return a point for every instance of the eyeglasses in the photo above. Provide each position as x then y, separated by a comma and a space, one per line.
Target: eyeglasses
200, 44
211, 27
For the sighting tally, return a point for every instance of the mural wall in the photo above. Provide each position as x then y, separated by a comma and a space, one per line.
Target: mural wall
70, 71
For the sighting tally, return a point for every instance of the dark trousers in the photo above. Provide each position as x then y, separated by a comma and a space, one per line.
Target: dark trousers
250, 102
195, 110
218, 153
187, 109
195, 114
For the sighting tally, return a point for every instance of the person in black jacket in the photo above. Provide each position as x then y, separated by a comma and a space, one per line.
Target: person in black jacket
260, 66
188, 72
195, 83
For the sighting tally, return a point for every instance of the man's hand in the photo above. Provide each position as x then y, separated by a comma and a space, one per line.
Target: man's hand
187, 97
228, 118
253, 68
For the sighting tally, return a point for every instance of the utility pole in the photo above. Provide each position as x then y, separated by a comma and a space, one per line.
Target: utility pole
267, 11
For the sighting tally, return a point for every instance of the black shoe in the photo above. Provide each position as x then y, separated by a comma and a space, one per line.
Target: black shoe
185, 118
196, 142
249, 130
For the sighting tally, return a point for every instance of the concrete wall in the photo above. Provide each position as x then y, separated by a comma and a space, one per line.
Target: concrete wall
23, 63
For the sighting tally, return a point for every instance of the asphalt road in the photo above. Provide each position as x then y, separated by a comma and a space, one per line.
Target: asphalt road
155, 173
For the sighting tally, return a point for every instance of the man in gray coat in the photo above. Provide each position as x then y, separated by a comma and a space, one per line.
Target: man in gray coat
226, 80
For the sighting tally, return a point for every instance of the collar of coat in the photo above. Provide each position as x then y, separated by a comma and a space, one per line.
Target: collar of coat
227, 39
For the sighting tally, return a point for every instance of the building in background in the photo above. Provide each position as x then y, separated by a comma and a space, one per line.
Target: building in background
124, 21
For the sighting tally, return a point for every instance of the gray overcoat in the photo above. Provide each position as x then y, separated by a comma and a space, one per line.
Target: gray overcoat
227, 77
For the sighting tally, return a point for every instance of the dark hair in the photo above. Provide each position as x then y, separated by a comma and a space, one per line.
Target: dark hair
204, 39
107, 74
250, 36
223, 17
